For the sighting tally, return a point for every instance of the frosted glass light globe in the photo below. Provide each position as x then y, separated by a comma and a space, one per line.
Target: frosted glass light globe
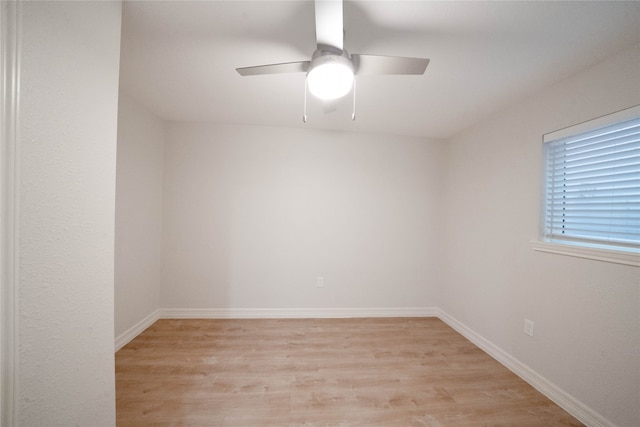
330, 77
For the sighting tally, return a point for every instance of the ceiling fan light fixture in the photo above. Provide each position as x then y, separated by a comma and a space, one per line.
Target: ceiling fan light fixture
330, 76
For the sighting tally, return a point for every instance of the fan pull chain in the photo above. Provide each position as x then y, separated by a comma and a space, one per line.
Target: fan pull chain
304, 108
353, 114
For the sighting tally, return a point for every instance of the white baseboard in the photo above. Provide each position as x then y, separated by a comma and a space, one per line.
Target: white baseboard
128, 335
291, 313
267, 313
563, 399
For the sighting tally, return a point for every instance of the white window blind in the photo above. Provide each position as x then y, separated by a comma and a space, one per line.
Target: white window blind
593, 186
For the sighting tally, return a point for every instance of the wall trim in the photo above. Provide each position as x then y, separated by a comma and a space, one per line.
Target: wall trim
560, 397
9, 225
291, 313
598, 254
127, 336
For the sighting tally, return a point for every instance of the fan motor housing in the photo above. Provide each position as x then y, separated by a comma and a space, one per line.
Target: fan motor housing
324, 56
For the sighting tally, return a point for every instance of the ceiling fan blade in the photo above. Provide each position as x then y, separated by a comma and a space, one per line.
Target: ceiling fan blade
285, 67
329, 24
376, 64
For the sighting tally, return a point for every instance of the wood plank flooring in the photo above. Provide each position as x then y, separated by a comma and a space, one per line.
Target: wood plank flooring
320, 372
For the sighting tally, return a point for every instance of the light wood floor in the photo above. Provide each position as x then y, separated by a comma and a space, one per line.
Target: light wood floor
320, 372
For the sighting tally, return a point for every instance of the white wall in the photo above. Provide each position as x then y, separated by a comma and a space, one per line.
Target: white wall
252, 215
586, 313
66, 189
138, 245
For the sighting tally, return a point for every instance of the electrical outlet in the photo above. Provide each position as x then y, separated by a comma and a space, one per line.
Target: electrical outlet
319, 282
528, 327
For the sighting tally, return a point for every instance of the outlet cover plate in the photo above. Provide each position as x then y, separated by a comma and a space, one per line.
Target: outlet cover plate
528, 327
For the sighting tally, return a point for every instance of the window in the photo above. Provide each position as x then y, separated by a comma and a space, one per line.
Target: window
592, 188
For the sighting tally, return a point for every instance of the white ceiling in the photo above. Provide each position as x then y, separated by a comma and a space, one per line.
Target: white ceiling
179, 58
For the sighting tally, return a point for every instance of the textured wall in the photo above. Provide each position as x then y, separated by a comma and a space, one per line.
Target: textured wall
138, 214
252, 215
586, 312
68, 121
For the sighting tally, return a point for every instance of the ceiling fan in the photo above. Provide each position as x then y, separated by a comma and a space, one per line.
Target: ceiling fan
331, 71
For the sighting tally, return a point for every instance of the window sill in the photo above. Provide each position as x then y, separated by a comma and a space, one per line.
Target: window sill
606, 255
